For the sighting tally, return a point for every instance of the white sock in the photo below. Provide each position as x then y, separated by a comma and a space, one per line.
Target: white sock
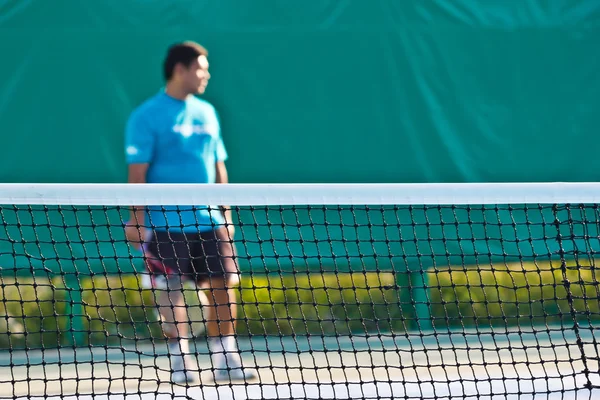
218, 352
223, 349
177, 353
224, 344
184, 343
179, 347
230, 344
215, 345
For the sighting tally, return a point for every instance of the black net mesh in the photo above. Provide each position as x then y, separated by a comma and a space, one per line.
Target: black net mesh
373, 302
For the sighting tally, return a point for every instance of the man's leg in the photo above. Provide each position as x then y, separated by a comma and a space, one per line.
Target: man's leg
222, 308
174, 319
220, 319
219, 272
170, 256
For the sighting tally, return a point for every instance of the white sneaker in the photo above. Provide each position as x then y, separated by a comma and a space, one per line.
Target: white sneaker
181, 371
233, 370
180, 377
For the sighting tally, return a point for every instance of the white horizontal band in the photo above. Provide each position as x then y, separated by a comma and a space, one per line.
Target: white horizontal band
299, 194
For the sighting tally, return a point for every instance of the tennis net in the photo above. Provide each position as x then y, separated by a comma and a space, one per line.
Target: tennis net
363, 291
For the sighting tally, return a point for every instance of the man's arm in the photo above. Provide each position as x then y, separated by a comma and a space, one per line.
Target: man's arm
139, 150
222, 177
137, 217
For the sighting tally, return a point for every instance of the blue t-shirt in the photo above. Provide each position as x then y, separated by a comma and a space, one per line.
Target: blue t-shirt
181, 141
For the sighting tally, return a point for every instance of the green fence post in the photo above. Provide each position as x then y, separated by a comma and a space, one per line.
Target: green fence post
419, 288
74, 311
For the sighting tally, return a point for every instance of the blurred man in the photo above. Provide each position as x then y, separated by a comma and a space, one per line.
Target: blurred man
174, 137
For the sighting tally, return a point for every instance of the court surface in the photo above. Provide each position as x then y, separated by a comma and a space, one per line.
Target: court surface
462, 365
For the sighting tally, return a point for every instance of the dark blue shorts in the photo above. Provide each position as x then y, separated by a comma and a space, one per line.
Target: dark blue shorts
191, 256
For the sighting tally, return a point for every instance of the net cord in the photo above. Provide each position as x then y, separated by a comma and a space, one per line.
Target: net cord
235, 194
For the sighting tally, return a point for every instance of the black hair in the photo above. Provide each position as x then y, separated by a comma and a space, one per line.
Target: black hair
182, 53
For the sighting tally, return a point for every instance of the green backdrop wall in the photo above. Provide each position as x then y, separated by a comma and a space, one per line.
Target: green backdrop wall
317, 91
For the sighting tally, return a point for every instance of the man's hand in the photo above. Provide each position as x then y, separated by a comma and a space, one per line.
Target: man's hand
222, 177
230, 230
135, 234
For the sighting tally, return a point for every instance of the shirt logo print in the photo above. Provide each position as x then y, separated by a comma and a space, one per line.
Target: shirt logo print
132, 150
187, 130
